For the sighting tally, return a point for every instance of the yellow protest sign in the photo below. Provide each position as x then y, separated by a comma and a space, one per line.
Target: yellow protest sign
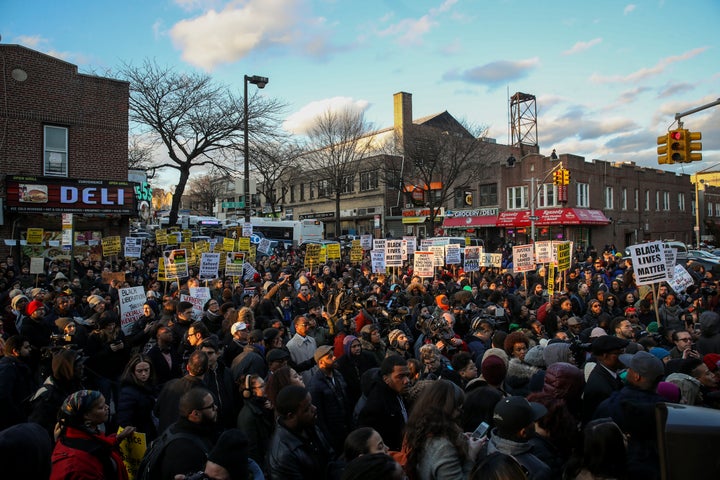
161, 237
551, 280
132, 450
35, 236
333, 251
252, 254
110, 246
186, 235
244, 244
228, 244
161, 269
563, 256
356, 253
312, 254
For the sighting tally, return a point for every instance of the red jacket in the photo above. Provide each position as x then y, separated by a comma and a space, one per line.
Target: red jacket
79, 455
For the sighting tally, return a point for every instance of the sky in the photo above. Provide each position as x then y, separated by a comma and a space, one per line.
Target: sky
608, 76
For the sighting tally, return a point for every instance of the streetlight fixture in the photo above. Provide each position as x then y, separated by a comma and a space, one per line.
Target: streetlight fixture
260, 82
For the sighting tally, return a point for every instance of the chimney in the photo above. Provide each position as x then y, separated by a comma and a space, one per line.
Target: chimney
402, 103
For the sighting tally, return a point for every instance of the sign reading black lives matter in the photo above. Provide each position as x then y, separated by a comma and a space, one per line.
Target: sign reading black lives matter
648, 261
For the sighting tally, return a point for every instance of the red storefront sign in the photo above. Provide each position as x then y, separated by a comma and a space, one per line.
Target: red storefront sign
553, 216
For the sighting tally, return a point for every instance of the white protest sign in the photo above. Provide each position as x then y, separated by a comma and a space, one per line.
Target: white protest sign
393, 253
425, 244
438, 255
379, 244
197, 304
680, 280
131, 306
670, 258
452, 254
543, 252
491, 260
209, 265
264, 246
423, 265
472, 259
37, 265
523, 259
648, 260
234, 264
366, 241
202, 294
411, 244
133, 247
378, 261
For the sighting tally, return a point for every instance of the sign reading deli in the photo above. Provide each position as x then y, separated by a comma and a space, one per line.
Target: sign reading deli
28, 194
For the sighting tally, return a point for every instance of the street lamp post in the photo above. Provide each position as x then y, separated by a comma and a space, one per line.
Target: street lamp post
260, 82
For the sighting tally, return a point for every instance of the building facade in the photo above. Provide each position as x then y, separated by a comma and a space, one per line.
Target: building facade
63, 150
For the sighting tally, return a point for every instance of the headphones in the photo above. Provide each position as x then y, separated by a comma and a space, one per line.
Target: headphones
247, 391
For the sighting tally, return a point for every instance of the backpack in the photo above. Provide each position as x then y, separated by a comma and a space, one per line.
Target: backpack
149, 468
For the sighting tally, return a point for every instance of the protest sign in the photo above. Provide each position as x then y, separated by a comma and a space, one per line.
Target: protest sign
452, 254
209, 265
228, 244
378, 244
131, 306
411, 244
378, 261
234, 262
333, 251
110, 246
176, 263
133, 247
472, 259
366, 241
264, 246
563, 256
37, 265
423, 264
543, 252
523, 258
393, 253
438, 255
34, 236
648, 260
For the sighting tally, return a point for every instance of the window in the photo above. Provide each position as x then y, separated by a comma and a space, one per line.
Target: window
710, 209
312, 190
681, 202
292, 193
666, 201
516, 198
657, 200
647, 199
368, 181
56, 151
348, 184
637, 199
323, 187
623, 199
583, 195
609, 198
302, 192
488, 195
547, 196
459, 198
692, 207
717, 209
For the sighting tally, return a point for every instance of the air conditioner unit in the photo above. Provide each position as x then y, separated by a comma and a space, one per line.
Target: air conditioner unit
370, 210
361, 212
408, 205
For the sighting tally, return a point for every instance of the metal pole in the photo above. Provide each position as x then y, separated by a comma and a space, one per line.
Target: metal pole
246, 153
697, 212
532, 210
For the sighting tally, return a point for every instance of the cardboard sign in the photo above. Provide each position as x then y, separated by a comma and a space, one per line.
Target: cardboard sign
131, 306
234, 262
176, 265
523, 258
648, 260
209, 265
472, 259
423, 265
133, 247
107, 277
110, 246
35, 236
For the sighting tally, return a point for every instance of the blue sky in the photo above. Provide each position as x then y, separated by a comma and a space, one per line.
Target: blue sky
608, 76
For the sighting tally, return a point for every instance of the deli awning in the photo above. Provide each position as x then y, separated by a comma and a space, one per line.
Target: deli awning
414, 219
553, 216
470, 221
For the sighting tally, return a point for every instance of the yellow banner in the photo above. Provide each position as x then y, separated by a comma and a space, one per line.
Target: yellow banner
244, 244
312, 254
110, 246
229, 244
35, 236
333, 251
132, 450
161, 270
161, 237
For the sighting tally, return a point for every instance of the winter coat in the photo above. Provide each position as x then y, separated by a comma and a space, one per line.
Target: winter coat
16, 389
295, 456
80, 455
440, 460
258, 424
518, 377
709, 341
383, 411
47, 401
135, 406
334, 410
184, 455
523, 453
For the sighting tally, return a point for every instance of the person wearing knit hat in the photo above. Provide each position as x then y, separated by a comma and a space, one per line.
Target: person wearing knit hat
493, 370
660, 353
34, 306
442, 302
398, 344
229, 457
19, 302
712, 360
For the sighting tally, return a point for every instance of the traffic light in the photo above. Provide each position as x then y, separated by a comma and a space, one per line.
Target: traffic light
662, 149
557, 177
693, 146
677, 143
565, 176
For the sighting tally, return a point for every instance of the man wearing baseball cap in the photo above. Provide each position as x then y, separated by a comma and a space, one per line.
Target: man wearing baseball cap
633, 409
515, 419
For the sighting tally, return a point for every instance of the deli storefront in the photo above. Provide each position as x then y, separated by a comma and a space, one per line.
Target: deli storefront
552, 224
98, 208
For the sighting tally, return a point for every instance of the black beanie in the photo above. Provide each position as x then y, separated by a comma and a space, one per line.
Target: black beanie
231, 453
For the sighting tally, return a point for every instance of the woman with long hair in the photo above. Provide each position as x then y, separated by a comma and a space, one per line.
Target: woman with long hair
82, 451
282, 377
138, 393
436, 447
604, 453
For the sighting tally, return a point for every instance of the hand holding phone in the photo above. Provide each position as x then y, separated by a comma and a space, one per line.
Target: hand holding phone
481, 430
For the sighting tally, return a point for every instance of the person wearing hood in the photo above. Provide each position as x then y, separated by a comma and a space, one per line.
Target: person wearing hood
16, 381
16, 313
709, 341
352, 364
212, 317
671, 314
519, 371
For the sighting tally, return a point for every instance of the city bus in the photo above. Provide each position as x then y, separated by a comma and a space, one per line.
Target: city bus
290, 232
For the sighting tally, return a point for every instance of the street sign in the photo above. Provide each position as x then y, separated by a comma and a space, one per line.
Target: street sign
233, 204
534, 217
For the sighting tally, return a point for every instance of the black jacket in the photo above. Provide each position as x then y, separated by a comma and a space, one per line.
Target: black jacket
384, 413
163, 371
334, 410
16, 388
599, 386
298, 455
135, 406
184, 455
258, 424
168, 403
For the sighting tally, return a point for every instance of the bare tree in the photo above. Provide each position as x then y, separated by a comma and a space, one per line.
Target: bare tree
198, 121
139, 154
204, 191
276, 166
337, 141
442, 158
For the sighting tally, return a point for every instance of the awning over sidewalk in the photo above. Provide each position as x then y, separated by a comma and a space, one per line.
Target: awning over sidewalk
470, 222
553, 216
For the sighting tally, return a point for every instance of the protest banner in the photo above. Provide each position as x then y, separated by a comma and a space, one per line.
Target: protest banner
356, 252
234, 262
243, 244
132, 451
472, 259
438, 254
333, 251
423, 265
411, 243
161, 270
543, 252
161, 237
264, 247
312, 254
228, 244
378, 244
453, 254
131, 306
176, 263
393, 253
523, 258
377, 258
681, 279
110, 246
563, 256
648, 260
366, 241
209, 265
133, 247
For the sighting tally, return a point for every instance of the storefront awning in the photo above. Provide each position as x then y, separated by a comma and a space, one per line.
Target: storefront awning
414, 219
470, 222
553, 216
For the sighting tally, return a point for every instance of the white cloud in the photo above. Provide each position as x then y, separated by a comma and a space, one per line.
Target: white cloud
644, 73
410, 31
301, 121
32, 41
629, 8
227, 35
582, 46
496, 73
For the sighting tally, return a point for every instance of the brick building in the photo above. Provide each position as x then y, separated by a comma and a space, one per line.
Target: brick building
63, 149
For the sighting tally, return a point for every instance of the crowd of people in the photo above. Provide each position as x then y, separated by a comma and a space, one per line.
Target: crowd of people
337, 372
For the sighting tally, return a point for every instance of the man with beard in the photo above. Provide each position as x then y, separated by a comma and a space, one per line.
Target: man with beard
398, 344
16, 382
329, 391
